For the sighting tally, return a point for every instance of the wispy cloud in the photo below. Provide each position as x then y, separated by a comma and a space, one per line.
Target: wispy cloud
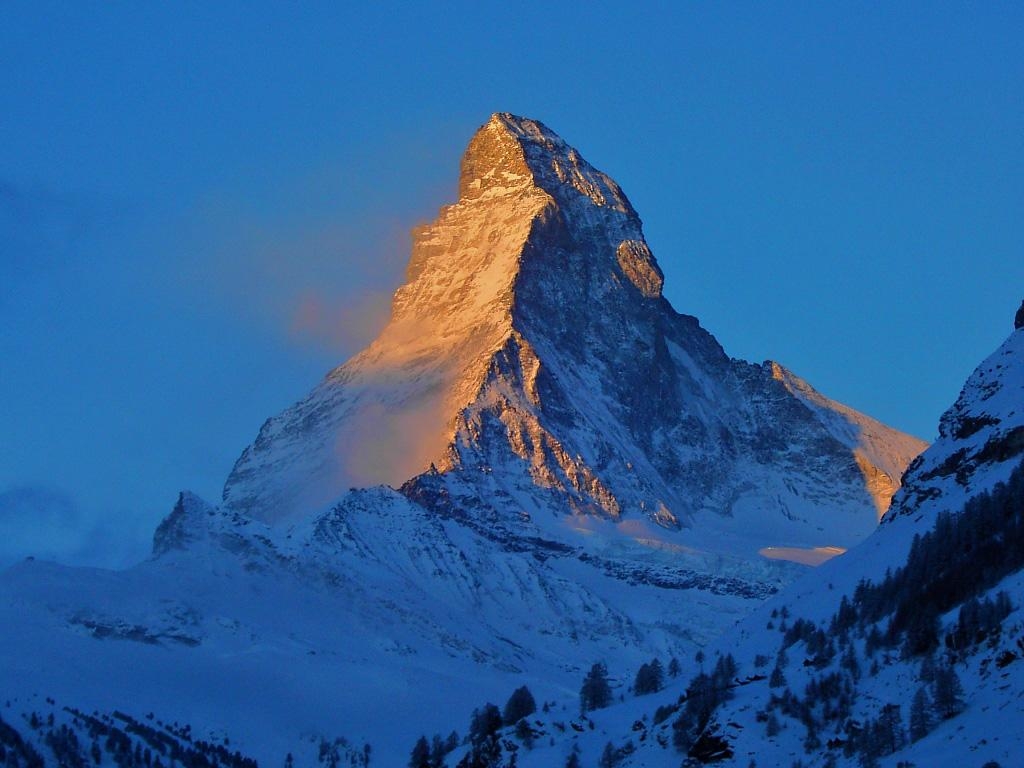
339, 324
313, 254
47, 523
323, 281
389, 444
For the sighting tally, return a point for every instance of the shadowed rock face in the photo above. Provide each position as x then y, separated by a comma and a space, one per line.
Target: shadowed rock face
532, 367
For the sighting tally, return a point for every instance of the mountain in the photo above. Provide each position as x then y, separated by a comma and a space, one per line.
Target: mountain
538, 464
907, 650
532, 372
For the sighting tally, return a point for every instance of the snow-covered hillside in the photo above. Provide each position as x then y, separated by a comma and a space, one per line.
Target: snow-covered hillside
907, 650
537, 465
373, 623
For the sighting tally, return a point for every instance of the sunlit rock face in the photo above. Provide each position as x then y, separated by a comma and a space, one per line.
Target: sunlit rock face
533, 376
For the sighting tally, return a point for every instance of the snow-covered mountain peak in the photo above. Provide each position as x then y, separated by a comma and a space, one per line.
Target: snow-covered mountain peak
535, 227
532, 373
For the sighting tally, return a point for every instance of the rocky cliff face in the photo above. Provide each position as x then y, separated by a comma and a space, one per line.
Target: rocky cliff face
532, 368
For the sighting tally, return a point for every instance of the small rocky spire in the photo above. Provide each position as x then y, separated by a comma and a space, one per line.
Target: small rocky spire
1018, 321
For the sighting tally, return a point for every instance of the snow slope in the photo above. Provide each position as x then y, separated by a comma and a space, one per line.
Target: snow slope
374, 623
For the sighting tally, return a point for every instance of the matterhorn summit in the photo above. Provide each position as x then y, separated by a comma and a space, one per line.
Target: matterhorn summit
528, 204
533, 375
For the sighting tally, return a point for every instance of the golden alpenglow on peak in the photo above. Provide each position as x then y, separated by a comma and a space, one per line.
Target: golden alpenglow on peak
493, 160
509, 152
532, 363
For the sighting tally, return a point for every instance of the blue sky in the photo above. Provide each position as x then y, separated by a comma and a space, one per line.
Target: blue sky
204, 209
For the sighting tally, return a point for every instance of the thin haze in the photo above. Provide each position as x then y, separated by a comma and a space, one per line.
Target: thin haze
204, 207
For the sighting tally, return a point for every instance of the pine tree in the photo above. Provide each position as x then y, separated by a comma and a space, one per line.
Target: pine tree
609, 758
920, 715
725, 671
891, 736
437, 752
595, 693
701, 699
772, 727
849, 662
519, 705
870, 745
483, 737
812, 743
948, 693
451, 742
657, 674
485, 722
649, 678
674, 667
420, 757
921, 634
640, 681
782, 660
777, 680
873, 642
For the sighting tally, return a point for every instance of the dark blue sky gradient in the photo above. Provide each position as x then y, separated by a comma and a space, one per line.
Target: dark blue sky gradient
203, 209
